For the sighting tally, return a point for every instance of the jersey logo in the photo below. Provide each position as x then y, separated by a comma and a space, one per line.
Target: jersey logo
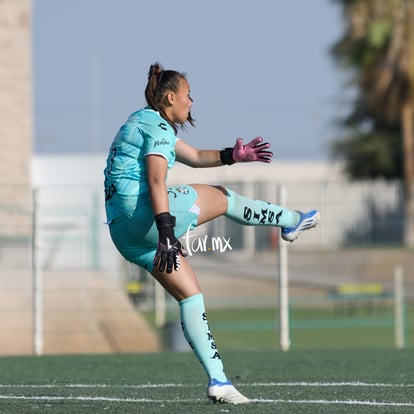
163, 126
161, 142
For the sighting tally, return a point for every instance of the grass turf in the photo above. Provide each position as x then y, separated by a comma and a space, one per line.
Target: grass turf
299, 381
310, 328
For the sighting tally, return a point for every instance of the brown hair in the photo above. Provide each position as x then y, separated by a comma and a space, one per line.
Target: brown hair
159, 82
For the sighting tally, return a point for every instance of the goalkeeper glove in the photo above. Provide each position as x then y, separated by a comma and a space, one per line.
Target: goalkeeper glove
169, 248
255, 150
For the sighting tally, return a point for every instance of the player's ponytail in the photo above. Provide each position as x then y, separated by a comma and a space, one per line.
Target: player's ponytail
153, 86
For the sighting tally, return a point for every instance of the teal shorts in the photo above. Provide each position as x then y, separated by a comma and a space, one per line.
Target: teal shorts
136, 236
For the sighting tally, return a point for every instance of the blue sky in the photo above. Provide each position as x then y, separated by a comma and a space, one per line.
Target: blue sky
255, 68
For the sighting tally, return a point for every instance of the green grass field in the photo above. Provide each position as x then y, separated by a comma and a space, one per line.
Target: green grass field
310, 328
299, 381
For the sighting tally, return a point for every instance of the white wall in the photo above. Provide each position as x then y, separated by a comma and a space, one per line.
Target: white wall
88, 169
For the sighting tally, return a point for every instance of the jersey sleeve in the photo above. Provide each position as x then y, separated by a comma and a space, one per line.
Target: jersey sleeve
159, 140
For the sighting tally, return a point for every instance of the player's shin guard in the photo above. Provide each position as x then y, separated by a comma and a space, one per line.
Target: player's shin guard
198, 335
250, 212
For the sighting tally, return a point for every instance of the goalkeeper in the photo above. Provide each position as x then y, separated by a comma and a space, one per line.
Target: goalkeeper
146, 217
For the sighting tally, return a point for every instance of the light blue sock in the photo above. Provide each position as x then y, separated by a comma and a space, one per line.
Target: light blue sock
197, 332
250, 212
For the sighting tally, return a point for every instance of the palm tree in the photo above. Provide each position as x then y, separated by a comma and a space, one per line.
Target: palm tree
379, 45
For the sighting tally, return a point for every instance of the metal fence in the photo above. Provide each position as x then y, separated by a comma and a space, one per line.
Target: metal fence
71, 229
68, 290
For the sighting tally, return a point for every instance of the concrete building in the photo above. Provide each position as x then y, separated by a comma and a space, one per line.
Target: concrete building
16, 126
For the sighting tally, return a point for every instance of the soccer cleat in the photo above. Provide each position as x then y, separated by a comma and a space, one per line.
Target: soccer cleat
224, 392
306, 222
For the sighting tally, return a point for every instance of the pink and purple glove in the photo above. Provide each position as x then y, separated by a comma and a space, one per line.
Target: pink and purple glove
255, 150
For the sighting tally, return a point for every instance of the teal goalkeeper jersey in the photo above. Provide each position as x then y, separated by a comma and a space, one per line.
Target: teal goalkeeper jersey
144, 133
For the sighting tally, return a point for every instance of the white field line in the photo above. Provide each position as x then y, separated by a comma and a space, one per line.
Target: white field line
328, 384
148, 400
171, 385
344, 402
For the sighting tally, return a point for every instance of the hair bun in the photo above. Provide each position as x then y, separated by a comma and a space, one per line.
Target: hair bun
155, 70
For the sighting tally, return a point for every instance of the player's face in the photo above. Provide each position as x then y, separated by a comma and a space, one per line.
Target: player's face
181, 103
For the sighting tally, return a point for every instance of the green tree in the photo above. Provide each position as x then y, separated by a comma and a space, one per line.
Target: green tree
378, 48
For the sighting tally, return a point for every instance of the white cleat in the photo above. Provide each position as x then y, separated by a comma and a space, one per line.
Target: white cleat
224, 392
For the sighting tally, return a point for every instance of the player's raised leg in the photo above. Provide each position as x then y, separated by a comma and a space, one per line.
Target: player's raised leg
215, 201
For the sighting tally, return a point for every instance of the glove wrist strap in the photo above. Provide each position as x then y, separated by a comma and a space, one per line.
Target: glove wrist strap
226, 156
165, 223
164, 220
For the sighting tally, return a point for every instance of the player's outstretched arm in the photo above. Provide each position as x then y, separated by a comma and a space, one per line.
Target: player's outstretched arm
255, 150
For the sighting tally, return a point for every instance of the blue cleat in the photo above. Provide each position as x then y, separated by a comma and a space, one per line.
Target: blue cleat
306, 222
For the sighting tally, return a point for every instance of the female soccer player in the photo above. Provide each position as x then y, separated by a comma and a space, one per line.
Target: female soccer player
146, 217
